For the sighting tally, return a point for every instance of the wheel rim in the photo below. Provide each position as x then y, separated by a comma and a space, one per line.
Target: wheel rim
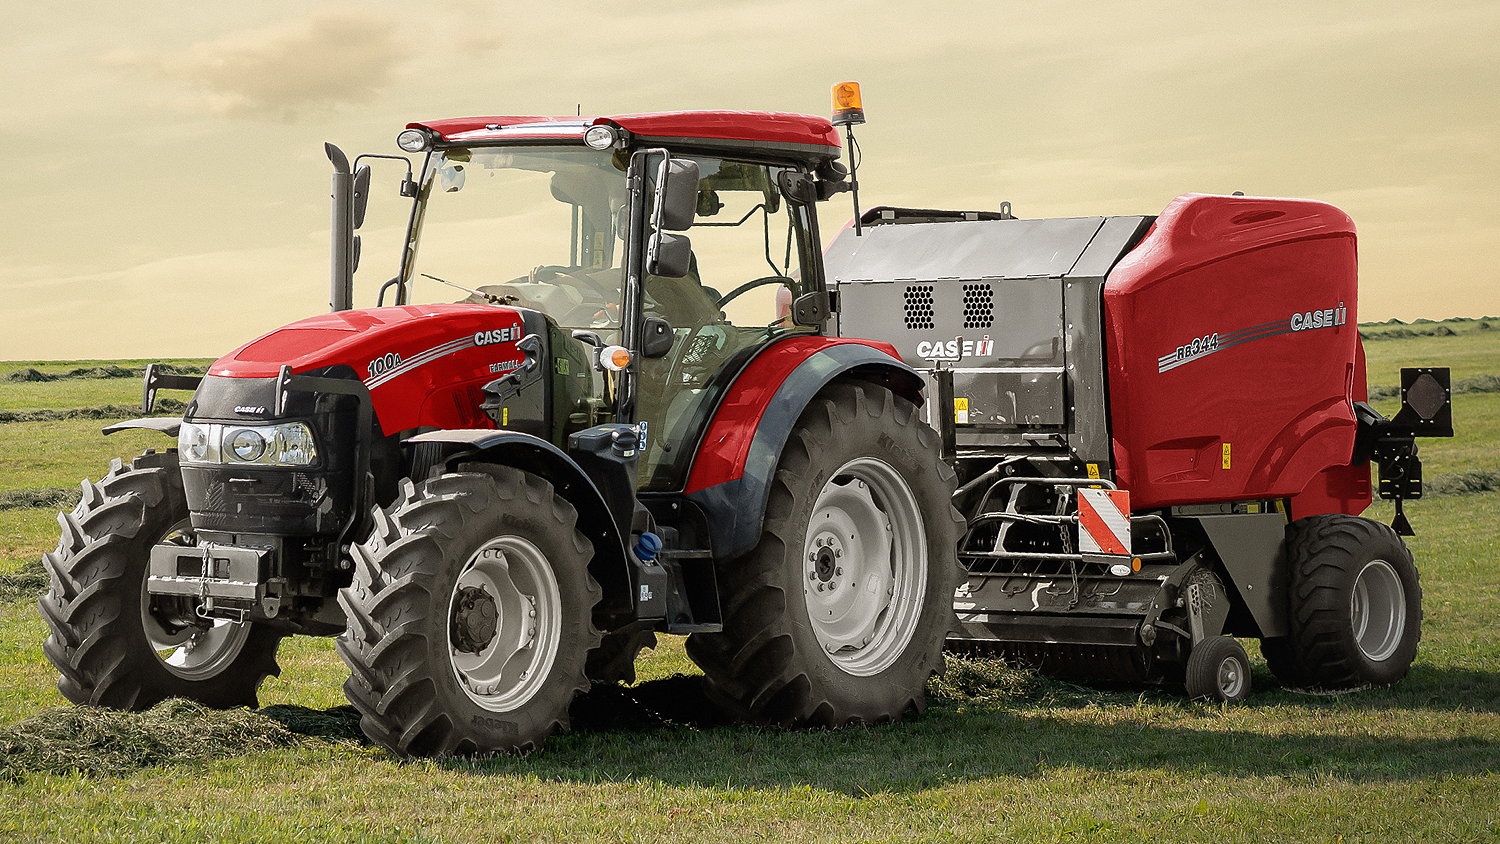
864, 564
185, 646
1377, 610
1231, 678
504, 623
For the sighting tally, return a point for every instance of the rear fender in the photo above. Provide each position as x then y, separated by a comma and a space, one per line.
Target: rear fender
731, 474
610, 566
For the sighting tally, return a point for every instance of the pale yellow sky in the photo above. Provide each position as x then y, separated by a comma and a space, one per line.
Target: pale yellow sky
165, 191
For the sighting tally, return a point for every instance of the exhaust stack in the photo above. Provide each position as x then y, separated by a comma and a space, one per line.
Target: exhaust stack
345, 242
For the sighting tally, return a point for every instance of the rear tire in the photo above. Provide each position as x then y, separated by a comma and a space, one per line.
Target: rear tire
839, 614
112, 648
1356, 606
470, 616
1218, 669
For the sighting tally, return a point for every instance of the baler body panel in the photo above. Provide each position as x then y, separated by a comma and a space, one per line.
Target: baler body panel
1011, 307
1233, 355
424, 365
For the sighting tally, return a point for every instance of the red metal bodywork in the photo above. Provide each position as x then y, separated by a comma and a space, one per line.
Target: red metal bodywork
756, 127
1234, 356
726, 444
423, 364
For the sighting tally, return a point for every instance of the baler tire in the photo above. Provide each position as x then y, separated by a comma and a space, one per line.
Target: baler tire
1218, 670
770, 664
403, 604
95, 602
1329, 556
613, 661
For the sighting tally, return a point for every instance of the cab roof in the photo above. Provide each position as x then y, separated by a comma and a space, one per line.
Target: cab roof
772, 131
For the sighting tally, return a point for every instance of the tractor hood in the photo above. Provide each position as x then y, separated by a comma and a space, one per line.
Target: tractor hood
423, 364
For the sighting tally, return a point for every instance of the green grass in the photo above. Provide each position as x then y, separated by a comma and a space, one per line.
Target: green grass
998, 756
1470, 352
61, 395
60, 454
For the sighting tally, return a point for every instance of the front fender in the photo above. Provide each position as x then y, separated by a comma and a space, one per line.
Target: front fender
731, 474
610, 565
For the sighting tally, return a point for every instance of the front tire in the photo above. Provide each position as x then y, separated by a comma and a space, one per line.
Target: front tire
839, 614
114, 646
1356, 606
470, 616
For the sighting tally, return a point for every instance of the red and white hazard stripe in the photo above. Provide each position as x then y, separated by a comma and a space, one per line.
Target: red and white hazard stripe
1104, 521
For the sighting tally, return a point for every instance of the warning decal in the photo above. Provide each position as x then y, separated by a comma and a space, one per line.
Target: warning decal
1104, 521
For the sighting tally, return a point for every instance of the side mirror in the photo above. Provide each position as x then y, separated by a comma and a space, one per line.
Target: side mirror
676, 198
656, 337
361, 193
669, 255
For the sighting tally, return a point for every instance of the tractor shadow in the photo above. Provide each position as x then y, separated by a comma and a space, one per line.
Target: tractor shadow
669, 731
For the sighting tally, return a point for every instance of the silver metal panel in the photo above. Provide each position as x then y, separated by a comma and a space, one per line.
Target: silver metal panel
1014, 307
973, 250
1003, 338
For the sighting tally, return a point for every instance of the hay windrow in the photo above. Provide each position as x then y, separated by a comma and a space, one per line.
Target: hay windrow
25, 585
107, 411
1463, 483
1486, 383
102, 742
984, 680
51, 497
98, 372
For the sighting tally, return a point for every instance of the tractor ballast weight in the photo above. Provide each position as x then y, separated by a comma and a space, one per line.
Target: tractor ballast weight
1206, 363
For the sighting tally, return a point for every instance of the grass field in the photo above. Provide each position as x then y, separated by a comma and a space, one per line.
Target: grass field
999, 755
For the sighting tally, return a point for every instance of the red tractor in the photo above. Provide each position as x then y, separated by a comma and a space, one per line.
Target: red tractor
643, 419
494, 502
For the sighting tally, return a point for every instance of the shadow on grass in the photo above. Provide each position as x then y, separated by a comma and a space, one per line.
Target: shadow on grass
1427, 688
667, 731
338, 723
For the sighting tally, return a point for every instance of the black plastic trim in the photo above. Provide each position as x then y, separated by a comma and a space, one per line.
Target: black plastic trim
596, 518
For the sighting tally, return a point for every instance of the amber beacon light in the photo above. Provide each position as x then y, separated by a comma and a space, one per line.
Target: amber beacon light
847, 108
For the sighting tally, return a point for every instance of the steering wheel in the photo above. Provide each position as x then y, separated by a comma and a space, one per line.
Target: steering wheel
751, 285
605, 291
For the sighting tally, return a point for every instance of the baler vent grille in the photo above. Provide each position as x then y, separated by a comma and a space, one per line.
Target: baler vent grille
979, 306
919, 314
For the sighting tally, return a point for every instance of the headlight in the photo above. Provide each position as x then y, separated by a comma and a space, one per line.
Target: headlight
413, 140
246, 445
290, 444
193, 442
599, 137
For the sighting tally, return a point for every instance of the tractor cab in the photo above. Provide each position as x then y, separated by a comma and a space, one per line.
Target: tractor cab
539, 214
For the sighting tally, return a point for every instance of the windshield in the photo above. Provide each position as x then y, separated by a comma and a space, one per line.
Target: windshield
539, 227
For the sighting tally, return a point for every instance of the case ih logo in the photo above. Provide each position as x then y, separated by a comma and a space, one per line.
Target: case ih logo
956, 349
1202, 347
498, 335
